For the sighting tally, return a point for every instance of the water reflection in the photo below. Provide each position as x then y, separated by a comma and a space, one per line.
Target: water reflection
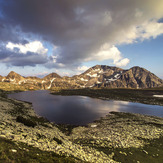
79, 110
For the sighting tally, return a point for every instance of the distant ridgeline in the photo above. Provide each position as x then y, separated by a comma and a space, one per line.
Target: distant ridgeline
99, 76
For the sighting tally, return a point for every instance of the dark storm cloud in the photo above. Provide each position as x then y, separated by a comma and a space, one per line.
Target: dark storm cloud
14, 58
78, 27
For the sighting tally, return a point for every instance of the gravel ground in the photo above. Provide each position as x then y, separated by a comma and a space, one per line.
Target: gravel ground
89, 143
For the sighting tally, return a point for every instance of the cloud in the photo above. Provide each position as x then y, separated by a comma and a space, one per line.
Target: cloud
79, 28
35, 47
107, 52
148, 29
83, 68
28, 54
122, 63
16, 58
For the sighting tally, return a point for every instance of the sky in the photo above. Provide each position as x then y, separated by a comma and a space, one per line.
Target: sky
38, 37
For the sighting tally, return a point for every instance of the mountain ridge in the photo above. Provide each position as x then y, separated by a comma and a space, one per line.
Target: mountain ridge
98, 76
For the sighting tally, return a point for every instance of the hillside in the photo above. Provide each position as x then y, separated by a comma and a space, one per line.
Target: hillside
117, 137
99, 76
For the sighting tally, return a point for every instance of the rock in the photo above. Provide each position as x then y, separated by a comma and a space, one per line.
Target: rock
14, 150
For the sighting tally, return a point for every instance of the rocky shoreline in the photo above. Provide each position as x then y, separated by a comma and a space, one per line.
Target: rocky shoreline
101, 141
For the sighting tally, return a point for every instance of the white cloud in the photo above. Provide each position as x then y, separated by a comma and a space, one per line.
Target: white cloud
83, 68
150, 29
107, 52
122, 63
146, 30
35, 47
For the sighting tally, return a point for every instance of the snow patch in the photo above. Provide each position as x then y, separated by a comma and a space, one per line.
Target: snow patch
82, 86
112, 79
52, 80
93, 75
82, 79
91, 86
49, 86
93, 126
98, 82
101, 71
96, 70
117, 76
161, 96
12, 79
43, 81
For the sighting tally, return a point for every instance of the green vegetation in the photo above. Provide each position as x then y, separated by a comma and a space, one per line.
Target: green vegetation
152, 152
57, 140
66, 128
26, 121
134, 95
6, 86
15, 152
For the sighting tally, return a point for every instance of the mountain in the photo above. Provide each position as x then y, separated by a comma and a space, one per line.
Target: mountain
13, 77
51, 76
99, 76
136, 77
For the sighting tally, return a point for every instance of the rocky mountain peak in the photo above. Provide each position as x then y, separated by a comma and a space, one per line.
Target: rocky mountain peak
52, 75
99, 76
13, 75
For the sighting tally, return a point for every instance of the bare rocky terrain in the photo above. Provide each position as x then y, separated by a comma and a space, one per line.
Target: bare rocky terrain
37, 132
118, 137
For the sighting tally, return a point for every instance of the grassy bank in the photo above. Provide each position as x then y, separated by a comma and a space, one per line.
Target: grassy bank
133, 95
15, 152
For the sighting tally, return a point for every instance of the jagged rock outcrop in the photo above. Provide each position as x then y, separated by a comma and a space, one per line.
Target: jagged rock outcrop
99, 76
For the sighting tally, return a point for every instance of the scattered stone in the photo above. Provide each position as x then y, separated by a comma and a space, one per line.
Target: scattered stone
14, 150
145, 152
117, 130
93, 126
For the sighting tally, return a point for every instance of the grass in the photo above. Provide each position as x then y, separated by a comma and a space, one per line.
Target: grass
66, 128
25, 121
11, 87
132, 95
152, 152
14, 152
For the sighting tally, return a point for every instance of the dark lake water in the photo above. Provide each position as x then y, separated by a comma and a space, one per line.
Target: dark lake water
80, 110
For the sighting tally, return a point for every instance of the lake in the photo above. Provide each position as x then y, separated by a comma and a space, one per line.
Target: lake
79, 110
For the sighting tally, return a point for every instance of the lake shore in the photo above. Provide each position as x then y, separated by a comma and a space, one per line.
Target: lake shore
116, 137
144, 96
